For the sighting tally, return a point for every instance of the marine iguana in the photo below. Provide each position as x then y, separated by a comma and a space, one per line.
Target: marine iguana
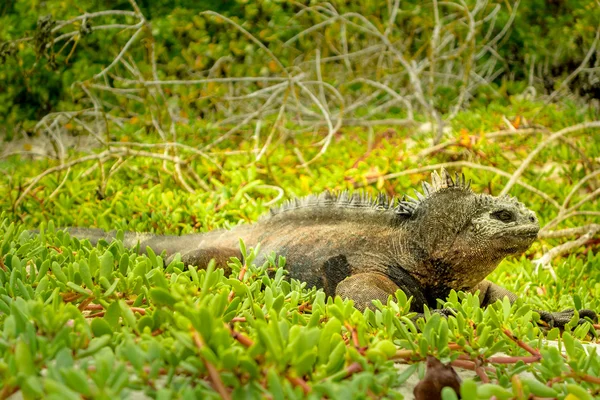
365, 248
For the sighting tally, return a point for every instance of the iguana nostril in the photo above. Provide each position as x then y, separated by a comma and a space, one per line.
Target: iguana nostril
532, 218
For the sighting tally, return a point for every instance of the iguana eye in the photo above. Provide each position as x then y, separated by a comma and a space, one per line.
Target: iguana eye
503, 215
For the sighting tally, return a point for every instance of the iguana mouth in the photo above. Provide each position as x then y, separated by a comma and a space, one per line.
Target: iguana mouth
525, 232
530, 233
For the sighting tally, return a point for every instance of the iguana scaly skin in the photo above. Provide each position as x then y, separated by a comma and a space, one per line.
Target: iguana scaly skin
365, 248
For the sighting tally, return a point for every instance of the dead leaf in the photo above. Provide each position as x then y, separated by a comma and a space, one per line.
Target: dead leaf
437, 377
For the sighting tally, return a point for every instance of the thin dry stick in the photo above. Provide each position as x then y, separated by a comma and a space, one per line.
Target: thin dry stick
280, 193
335, 92
502, 33
452, 142
60, 185
320, 79
61, 167
435, 38
115, 167
585, 200
263, 150
569, 231
361, 122
197, 178
116, 152
246, 120
565, 247
517, 174
392, 19
62, 24
466, 164
558, 220
181, 179
69, 35
372, 30
257, 129
468, 63
326, 115
251, 37
189, 82
171, 144
363, 101
122, 53
391, 92
413, 77
586, 59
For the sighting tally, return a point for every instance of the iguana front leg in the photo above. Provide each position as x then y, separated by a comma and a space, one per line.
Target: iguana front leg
490, 292
364, 287
560, 319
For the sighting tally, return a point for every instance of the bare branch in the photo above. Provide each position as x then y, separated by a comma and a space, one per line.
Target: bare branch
583, 64
251, 37
569, 231
121, 54
547, 258
466, 164
517, 174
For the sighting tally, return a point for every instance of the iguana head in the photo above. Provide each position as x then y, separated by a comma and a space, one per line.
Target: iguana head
464, 234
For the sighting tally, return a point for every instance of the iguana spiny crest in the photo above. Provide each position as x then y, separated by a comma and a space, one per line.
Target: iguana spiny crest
448, 237
446, 210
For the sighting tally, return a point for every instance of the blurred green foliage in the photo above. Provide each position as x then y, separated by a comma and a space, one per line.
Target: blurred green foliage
553, 35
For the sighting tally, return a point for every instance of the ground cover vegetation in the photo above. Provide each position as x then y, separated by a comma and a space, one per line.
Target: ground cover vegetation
189, 116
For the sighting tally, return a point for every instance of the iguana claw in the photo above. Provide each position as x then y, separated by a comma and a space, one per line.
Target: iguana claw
444, 312
560, 319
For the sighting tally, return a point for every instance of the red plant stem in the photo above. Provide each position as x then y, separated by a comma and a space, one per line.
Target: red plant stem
8, 391
243, 339
465, 364
404, 354
86, 303
96, 315
470, 365
70, 297
240, 278
353, 369
512, 360
574, 375
213, 374
522, 344
240, 337
586, 378
481, 372
355, 340
306, 306
300, 383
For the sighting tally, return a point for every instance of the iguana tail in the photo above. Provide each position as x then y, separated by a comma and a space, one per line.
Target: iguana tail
195, 249
94, 235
